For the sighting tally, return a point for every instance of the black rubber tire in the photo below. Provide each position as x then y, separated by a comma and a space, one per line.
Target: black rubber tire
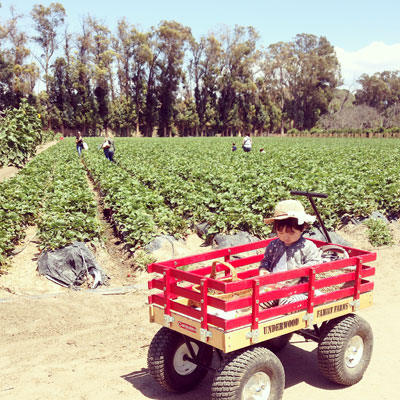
239, 367
279, 343
168, 344
334, 349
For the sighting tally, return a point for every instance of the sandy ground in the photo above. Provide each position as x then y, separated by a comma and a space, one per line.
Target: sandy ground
93, 344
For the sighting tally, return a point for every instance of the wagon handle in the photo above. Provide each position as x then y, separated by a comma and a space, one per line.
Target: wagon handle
310, 196
213, 274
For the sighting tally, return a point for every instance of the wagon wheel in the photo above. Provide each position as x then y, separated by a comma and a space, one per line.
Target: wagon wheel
345, 349
279, 343
168, 362
331, 252
251, 374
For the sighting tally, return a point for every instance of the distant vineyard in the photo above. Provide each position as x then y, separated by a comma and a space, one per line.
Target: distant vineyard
163, 185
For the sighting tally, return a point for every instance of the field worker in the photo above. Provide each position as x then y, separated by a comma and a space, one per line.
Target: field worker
247, 142
290, 250
108, 147
79, 142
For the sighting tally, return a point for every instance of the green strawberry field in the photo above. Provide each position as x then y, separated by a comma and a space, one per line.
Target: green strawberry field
168, 185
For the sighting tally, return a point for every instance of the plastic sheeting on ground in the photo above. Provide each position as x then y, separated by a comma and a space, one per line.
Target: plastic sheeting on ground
71, 266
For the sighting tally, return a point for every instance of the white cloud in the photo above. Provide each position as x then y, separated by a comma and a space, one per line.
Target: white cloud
376, 57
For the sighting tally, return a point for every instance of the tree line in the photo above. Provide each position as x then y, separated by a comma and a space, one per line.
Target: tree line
165, 82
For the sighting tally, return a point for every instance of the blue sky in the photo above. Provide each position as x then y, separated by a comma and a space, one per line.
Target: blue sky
365, 33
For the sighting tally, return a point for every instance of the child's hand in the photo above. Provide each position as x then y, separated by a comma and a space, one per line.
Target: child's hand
264, 272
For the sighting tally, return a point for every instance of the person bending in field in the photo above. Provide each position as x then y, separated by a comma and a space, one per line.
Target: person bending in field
290, 250
108, 147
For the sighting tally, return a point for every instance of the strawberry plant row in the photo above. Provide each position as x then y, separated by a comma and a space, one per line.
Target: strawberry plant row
203, 180
165, 186
194, 190
51, 191
69, 210
137, 213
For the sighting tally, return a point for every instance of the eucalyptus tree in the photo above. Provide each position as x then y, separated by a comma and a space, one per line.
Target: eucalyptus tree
47, 21
277, 67
380, 90
134, 55
237, 80
6, 72
17, 76
172, 39
6, 90
187, 119
204, 70
305, 74
84, 103
25, 74
319, 72
62, 93
58, 94
267, 116
102, 60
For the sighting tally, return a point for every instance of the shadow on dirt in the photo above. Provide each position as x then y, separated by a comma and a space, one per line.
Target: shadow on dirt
300, 366
144, 382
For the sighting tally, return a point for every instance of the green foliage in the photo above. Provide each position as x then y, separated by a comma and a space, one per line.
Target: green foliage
166, 186
20, 134
378, 232
52, 192
142, 260
138, 213
201, 180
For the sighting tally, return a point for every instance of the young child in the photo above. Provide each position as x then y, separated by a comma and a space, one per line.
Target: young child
234, 148
291, 250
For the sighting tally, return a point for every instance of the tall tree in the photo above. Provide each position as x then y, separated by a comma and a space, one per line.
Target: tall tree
103, 58
58, 94
25, 75
237, 83
306, 72
83, 100
18, 77
204, 70
277, 68
47, 21
172, 39
7, 95
134, 56
380, 90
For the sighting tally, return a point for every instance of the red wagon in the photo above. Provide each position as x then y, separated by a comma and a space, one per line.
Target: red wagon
203, 315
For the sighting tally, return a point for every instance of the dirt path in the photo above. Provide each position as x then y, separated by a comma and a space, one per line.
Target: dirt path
84, 345
93, 345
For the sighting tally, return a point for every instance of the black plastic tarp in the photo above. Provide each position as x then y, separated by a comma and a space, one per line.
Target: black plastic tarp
71, 266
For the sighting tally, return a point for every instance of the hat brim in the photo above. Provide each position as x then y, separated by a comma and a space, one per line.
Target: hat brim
304, 218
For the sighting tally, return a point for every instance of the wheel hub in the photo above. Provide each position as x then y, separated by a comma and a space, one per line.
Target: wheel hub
354, 351
257, 387
181, 364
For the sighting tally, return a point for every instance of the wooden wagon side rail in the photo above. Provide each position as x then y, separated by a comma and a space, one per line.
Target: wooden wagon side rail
179, 298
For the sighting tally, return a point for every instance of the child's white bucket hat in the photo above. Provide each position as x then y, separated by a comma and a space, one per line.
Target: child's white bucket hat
290, 209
